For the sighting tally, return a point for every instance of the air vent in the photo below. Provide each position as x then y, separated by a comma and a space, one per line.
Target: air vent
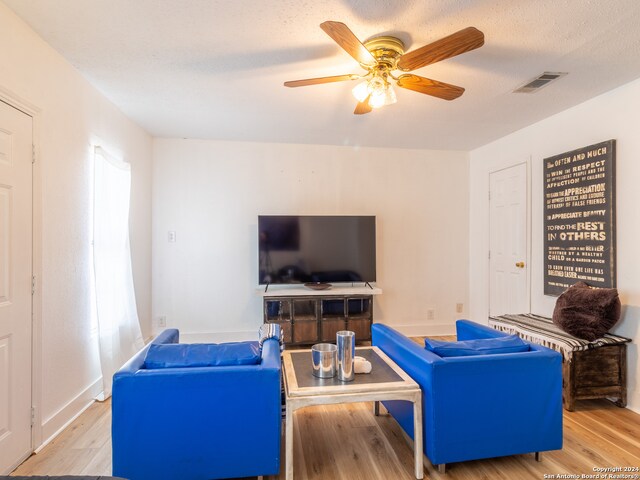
540, 81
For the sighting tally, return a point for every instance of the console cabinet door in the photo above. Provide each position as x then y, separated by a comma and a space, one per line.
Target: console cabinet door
332, 319
279, 311
360, 317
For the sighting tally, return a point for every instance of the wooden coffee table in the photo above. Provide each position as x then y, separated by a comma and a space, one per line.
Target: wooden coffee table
387, 381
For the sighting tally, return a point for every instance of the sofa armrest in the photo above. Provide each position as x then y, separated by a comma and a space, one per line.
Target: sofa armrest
271, 354
413, 358
468, 330
135, 363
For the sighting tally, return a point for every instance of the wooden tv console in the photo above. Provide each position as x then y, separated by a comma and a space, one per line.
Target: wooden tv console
312, 316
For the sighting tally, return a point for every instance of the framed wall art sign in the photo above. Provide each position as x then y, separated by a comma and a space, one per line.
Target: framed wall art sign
579, 218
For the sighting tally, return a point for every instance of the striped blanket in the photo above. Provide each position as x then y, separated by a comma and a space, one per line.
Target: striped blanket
542, 331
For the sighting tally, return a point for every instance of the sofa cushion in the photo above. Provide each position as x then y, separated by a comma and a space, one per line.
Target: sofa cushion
179, 355
482, 346
586, 312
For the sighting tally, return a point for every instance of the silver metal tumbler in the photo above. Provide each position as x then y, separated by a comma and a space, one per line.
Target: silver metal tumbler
323, 357
346, 342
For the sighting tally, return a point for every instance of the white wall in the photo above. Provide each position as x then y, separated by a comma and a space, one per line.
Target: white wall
211, 193
614, 115
73, 117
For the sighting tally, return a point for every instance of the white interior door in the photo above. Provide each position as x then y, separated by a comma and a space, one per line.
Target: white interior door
16, 149
508, 268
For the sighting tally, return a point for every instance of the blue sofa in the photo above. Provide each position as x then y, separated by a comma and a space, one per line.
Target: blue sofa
479, 406
197, 423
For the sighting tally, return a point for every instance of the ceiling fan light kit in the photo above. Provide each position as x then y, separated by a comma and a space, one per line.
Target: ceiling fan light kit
385, 50
379, 91
381, 56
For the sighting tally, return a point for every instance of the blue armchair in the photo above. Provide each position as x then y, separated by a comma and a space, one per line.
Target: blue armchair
479, 406
197, 423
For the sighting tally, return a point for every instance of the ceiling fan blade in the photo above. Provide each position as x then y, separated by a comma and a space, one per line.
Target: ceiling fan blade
427, 86
363, 107
316, 81
348, 41
463, 41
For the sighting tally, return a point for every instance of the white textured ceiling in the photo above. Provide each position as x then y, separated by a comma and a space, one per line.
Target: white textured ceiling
214, 68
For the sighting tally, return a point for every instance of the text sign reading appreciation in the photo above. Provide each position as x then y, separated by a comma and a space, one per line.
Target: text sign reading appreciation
579, 218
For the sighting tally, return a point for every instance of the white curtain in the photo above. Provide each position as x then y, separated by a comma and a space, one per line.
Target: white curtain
118, 324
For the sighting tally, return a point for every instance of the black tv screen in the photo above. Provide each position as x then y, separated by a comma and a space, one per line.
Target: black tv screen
310, 249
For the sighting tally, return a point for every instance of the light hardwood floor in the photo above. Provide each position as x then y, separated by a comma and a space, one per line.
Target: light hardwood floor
348, 442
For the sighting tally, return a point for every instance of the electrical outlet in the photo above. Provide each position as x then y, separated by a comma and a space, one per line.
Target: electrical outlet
171, 236
162, 321
459, 307
431, 314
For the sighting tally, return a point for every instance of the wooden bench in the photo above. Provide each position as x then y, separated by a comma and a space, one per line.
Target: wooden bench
595, 369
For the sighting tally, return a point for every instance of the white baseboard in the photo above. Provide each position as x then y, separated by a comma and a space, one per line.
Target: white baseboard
631, 396
411, 330
14, 466
426, 330
218, 337
56, 423
416, 330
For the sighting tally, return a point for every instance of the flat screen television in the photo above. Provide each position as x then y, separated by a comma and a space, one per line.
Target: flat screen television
316, 249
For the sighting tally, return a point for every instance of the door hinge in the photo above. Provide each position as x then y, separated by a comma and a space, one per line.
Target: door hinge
489, 195
33, 285
33, 153
33, 416
489, 254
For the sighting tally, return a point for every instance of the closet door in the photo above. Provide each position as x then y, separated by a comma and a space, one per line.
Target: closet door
508, 237
16, 153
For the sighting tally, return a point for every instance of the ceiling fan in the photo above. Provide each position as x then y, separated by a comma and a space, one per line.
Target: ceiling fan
381, 56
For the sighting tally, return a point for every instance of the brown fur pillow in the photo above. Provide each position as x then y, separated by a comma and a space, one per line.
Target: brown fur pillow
586, 312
